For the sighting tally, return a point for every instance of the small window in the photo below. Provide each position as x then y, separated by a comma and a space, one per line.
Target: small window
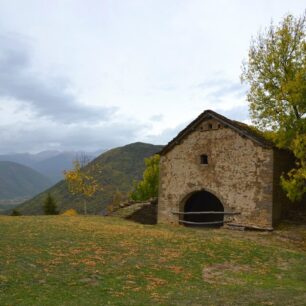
210, 126
204, 159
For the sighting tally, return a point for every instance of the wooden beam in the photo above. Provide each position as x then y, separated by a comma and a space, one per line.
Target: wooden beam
201, 223
206, 213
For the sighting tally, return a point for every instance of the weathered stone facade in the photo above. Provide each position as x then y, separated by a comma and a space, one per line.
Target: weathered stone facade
241, 173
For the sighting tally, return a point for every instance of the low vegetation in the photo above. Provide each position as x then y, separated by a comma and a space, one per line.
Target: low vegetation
58, 260
50, 207
147, 188
15, 212
70, 213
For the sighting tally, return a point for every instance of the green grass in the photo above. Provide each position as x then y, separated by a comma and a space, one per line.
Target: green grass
108, 261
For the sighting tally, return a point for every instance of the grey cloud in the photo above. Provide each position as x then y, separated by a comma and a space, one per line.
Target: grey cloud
239, 113
166, 135
157, 118
48, 98
210, 83
218, 88
46, 136
56, 120
230, 88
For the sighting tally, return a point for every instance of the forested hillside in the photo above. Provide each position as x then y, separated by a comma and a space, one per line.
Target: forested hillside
115, 170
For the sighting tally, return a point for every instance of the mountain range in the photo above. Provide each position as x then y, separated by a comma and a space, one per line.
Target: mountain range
49, 163
20, 182
116, 170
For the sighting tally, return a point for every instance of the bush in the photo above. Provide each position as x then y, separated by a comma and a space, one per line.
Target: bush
15, 212
148, 187
50, 207
70, 212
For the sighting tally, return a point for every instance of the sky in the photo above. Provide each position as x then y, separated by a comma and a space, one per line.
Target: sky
91, 75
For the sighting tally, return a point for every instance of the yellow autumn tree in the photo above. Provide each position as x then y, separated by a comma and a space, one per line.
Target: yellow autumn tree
81, 182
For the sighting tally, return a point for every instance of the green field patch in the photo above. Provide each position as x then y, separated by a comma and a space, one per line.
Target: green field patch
55, 260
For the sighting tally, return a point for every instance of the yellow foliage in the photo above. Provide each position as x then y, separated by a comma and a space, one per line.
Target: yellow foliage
80, 182
70, 212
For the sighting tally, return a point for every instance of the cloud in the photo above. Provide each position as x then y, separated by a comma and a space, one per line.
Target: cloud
52, 98
40, 114
157, 118
166, 135
30, 134
216, 88
239, 113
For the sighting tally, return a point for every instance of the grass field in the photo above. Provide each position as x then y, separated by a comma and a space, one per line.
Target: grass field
108, 261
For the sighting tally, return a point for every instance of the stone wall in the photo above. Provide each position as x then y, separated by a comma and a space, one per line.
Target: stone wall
239, 173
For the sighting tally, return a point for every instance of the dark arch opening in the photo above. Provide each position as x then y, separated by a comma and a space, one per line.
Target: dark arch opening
203, 201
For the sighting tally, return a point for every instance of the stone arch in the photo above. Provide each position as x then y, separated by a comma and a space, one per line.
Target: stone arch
202, 200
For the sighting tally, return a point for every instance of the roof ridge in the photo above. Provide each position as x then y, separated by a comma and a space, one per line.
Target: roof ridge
240, 127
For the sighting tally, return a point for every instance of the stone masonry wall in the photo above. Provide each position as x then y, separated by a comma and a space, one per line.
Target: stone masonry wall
239, 173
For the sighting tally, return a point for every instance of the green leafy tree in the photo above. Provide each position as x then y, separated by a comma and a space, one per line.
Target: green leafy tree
50, 207
148, 187
276, 75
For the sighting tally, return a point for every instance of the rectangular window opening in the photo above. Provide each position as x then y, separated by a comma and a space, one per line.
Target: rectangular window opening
204, 159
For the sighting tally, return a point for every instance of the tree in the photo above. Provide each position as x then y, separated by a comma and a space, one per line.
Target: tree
81, 182
15, 212
148, 187
50, 207
276, 74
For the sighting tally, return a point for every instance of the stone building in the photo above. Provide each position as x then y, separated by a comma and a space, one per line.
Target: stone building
224, 169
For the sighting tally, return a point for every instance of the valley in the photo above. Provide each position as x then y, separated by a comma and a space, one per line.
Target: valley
116, 170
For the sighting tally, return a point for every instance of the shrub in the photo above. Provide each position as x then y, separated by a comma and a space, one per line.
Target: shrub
15, 212
50, 207
148, 187
70, 212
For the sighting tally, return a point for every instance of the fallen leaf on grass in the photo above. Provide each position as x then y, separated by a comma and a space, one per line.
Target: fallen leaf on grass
154, 282
176, 269
224, 274
3, 279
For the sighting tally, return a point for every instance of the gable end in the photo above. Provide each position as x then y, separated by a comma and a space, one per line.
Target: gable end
243, 129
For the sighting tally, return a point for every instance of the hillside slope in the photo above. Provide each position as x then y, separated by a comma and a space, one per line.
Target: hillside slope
117, 170
18, 181
57, 260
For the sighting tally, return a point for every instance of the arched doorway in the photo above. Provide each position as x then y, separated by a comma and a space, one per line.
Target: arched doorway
203, 201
